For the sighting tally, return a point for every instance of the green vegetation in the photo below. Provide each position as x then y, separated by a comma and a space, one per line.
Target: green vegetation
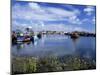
50, 64
23, 65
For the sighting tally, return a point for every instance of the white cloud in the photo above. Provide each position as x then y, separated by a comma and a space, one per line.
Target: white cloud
34, 5
36, 8
75, 20
52, 27
61, 12
89, 10
34, 11
71, 16
93, 20
89, 20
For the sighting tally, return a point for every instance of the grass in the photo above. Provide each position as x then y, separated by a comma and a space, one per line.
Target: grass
50, 64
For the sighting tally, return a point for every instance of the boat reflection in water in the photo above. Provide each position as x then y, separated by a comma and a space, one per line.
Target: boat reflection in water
74, 41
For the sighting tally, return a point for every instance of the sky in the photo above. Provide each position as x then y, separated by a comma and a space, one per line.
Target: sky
53, 16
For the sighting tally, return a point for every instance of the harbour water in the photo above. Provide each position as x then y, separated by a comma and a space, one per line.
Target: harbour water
57, 45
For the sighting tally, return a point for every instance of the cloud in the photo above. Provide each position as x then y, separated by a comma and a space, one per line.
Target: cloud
61, 12
34, 5
75, 20
89, 10
91, 21
71, 16
33, 11
36, 15
94, 20
38, 26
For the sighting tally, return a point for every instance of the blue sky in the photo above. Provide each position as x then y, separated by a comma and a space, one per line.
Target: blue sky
51, 16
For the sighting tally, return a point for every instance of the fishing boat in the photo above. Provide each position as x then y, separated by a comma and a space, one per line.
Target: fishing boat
25, 39
74, 35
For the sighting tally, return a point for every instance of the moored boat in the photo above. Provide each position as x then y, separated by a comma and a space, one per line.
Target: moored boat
74, 35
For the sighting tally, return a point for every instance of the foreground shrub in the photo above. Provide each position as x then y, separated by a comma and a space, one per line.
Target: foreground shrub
51, 64
23, 65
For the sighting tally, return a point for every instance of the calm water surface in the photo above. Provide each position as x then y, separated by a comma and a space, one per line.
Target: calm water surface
57, 45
